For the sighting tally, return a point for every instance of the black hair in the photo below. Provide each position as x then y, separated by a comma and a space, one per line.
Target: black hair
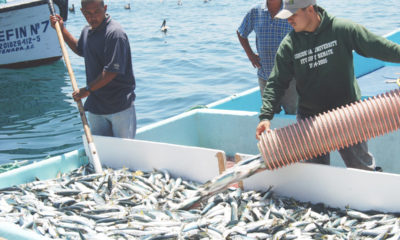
84, 2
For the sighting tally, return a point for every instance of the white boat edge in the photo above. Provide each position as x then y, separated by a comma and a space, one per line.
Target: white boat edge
336, 187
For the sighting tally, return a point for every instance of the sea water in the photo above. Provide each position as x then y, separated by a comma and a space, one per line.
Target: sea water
198, 61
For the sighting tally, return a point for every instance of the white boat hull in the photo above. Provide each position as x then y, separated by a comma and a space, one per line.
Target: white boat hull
26, 36
333, 186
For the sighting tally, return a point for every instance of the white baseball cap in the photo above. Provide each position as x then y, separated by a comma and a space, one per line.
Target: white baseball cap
291, 6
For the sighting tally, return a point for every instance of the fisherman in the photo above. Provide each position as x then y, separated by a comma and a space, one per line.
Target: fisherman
109, 74
318, 53
269, 33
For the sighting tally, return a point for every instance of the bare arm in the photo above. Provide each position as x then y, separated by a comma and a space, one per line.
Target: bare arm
254, 58
103, 79
68, 38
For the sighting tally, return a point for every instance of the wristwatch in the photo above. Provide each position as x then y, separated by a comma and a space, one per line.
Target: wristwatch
88, 88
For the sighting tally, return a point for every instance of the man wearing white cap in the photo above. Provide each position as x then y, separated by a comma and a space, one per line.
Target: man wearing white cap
319, 54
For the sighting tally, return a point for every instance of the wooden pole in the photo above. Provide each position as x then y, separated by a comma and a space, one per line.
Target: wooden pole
93, 156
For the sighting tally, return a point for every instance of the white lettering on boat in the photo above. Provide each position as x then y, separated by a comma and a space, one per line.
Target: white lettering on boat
22, 37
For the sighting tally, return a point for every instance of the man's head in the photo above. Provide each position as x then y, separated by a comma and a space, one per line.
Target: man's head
301, 14
291, 6
274, 1
94, 11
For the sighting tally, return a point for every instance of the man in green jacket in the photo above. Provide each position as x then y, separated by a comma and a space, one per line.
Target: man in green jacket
318, 54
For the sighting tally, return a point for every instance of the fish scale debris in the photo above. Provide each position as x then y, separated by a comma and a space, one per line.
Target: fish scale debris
124, 204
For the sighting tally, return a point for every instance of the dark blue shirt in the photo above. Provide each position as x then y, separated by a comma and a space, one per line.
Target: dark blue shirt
107, 48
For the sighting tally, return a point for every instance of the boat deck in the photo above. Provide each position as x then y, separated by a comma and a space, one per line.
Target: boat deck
379, 81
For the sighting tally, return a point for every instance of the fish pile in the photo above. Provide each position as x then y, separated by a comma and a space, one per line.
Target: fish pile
220, 183
124, 204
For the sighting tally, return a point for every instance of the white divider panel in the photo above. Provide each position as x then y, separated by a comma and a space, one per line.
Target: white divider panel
333, 186
192, 163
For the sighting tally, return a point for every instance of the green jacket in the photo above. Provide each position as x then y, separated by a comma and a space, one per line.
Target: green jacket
322, 64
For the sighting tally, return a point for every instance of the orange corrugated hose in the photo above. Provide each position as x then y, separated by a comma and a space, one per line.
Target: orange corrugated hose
336, 129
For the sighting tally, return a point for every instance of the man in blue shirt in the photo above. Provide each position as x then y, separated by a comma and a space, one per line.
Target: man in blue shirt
109, 74
269, 34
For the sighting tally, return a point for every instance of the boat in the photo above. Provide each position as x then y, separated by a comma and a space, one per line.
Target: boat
26, 37
197, 144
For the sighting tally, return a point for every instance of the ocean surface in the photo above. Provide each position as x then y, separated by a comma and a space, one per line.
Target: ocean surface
197, 62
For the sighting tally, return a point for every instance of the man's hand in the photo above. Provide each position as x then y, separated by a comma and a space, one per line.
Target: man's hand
54, 19
253, 57
68, 38
255, 60
79, 94
264, 125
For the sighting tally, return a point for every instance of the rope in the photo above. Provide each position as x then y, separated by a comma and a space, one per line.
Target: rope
9, 166
196, 107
